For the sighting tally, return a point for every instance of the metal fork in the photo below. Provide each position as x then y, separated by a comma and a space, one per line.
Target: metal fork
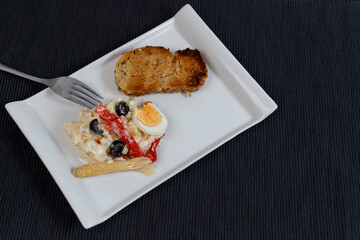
66, 87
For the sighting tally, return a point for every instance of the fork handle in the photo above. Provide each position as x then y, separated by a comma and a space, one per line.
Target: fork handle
24, 75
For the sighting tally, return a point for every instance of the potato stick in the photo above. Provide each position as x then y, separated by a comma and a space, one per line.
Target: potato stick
148, 169
100, 168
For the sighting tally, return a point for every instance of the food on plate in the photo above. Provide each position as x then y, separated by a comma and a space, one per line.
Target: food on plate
156, 70
150, 119
122, 135
101, 168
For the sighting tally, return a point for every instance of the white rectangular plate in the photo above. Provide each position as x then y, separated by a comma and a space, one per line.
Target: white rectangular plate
230, 102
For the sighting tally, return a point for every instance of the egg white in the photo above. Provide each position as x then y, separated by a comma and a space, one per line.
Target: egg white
156, 130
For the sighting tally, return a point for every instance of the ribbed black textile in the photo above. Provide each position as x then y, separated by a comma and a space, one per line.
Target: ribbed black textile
295, 175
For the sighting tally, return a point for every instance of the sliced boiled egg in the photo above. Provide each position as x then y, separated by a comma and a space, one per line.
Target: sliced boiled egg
150, 119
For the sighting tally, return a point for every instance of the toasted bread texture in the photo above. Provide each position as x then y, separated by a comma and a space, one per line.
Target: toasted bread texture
150, 69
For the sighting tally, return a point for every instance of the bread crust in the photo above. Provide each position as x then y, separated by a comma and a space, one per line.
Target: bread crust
151, 69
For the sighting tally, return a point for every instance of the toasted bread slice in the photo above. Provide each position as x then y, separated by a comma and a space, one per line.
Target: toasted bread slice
155, 70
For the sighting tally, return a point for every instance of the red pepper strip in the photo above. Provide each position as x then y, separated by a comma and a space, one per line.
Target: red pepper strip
124, 135
152, 150
105, 114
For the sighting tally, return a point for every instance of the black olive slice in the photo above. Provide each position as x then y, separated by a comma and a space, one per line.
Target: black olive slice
116, 148
122, 108
94, 127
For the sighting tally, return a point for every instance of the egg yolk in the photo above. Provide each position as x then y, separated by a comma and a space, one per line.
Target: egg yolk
149, 116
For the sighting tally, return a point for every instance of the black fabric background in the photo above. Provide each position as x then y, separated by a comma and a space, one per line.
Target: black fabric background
295, 175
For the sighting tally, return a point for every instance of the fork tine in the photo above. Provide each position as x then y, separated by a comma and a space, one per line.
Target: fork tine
83, 96
89, 89
86, 92
81, 99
